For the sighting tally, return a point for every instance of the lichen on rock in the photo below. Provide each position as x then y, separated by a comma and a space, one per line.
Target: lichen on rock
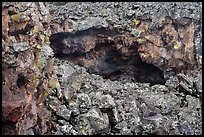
114, 68
20, 92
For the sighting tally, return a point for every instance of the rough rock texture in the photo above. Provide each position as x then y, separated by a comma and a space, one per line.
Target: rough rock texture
151, 43
108, 52
114, 68
77, 16
163, 35
102, 106
26, 67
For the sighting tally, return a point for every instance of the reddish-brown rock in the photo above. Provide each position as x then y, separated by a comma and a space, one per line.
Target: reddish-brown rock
170, 47
25, 30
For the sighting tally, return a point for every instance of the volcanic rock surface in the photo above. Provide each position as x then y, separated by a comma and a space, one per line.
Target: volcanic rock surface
26, 67
114, 68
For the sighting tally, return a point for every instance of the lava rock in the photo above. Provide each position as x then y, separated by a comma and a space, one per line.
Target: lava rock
106, 102
114, 117
84, 102
68, 129
64, 112
53, 103
121, 129
93, 122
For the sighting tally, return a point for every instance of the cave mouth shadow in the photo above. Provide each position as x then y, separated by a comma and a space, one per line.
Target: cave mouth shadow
109, 61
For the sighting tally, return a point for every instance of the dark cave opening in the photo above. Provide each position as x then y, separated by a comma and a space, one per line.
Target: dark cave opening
108, 58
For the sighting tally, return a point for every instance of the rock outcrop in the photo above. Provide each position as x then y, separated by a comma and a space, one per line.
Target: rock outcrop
26, 67
90, 105
113, 68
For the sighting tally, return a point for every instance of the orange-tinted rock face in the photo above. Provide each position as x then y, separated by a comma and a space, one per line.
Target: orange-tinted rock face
25, 30
110, 52
170, 47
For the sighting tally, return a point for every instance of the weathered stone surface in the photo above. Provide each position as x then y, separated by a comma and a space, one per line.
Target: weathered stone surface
68, 130
74, 107
160, 34
53, 103
25, 31
145, 109
18, 47
64, 112
84, 102
123, 95
122, 129
93, 122
113, 116
104, 102
46, 53
65, 70
170, 48
92, 22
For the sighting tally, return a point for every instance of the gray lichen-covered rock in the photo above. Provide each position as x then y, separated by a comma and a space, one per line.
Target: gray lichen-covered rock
68, 129
74, 107
92, 22
193, 103
20, 46
46, 53
64, 112
114, 116
104, 102
93, 122
65, 69
84, 102
122, 129
130, 108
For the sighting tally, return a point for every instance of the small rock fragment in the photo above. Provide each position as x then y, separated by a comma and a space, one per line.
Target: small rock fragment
64, 112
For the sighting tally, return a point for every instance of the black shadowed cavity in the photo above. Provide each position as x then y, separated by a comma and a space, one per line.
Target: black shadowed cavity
104, 52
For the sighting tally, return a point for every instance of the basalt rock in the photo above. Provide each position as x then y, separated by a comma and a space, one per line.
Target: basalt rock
25, 79
108, 52
148, 60
117, 54
118, 68
130, 108
164, 35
